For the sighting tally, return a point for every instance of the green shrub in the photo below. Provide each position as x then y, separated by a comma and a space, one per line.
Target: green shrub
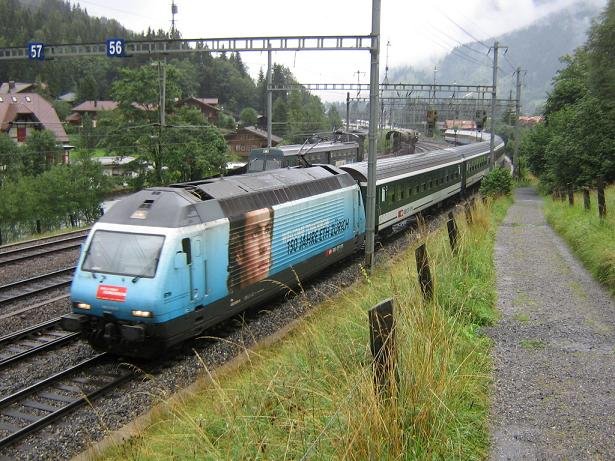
497, 183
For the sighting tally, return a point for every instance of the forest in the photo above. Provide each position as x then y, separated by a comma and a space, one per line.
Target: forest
575, 146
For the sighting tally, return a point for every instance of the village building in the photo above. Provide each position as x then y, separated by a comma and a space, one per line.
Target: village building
244, 139
92, 109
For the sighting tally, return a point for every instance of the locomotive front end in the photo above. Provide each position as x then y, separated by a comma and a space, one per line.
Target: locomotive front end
117, 294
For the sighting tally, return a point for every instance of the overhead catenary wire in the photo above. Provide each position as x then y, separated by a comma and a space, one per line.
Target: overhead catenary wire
464, 45
461, 28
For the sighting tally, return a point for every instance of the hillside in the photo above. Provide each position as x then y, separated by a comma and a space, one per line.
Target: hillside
536, 48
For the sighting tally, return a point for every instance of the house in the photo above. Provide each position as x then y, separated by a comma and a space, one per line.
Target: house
91, 108
530, 120
460, 125
247, 138
15, 87
23, 113
115, 166
208, 107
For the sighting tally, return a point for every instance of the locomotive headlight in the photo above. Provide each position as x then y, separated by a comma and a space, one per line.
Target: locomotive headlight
145, 314
81, 305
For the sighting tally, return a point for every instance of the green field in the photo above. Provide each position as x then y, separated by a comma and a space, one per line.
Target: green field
592, 239
311, 394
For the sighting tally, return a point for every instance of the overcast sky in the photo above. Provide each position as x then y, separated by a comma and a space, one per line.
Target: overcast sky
419, 32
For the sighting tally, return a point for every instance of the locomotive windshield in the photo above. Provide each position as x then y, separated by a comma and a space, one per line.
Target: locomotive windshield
123, 253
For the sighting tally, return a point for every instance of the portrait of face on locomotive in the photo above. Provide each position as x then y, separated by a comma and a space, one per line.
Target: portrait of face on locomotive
250, 248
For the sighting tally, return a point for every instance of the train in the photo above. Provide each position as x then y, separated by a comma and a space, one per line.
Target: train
332, 153
166, 263
401, 141
340, 148
462, 137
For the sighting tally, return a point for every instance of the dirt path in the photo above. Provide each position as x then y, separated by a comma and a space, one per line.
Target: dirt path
554, 347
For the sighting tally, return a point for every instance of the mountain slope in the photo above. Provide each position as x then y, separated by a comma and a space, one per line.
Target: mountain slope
536, 49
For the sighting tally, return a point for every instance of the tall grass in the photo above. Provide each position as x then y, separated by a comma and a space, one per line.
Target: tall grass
311, 395
592, 239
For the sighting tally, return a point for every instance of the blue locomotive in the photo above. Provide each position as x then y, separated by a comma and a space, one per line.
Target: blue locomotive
167, 262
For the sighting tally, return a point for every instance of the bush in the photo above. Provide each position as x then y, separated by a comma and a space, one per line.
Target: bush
497, 183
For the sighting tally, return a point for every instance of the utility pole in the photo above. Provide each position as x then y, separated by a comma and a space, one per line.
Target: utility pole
515, 159
348, 111
385, 81
371, 155
493, 95
269, 95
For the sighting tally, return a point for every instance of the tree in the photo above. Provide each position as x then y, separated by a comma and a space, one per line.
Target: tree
279, 117
533, 148
334, 119
87, 88
569, 84
195, 149
40, 153
601, 55
10, 162
248, 116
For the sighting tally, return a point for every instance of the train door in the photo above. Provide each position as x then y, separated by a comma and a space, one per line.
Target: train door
182, 289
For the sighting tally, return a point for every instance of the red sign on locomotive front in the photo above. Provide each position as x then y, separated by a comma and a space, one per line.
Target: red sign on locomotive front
111, 293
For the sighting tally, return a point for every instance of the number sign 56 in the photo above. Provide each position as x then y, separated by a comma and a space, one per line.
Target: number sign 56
115, 47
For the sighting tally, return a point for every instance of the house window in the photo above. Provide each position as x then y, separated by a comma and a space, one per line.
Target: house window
237, 148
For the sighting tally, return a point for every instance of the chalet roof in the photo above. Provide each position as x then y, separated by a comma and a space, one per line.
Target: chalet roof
255, 131
208, 101
16, 104
95, 106
18, 87
68, 97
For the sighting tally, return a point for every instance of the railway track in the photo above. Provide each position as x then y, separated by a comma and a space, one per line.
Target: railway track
36, 406
23, 288
21, 251
426, 146
33, 340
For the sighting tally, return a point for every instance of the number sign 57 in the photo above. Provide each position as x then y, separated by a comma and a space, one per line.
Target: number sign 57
36, 51
115, 47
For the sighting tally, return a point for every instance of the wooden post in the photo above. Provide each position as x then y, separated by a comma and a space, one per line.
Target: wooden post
467, 206
452, 232
422, 267
601, 201
382, 345
586, 199
38, 226
570, 196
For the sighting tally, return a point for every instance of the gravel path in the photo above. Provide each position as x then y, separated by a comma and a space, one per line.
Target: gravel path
554, 351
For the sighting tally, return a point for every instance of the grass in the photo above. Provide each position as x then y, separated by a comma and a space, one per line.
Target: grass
592, 239
311, 394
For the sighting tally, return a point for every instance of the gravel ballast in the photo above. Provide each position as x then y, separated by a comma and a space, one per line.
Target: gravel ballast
554, 347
